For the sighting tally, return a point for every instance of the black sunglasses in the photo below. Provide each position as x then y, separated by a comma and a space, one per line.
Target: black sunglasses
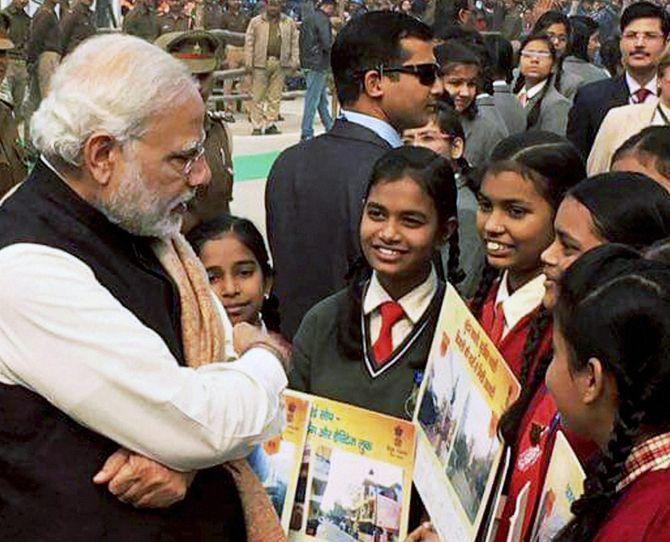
427, 73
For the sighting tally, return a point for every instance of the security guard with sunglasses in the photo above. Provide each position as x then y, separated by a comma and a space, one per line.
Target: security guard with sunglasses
199, 50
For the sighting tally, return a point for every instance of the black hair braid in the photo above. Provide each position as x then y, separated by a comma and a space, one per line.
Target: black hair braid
349, 335
270, 313
489, 276
538, 328
559, 73
534, 113
455, 274
600, 487
510, 421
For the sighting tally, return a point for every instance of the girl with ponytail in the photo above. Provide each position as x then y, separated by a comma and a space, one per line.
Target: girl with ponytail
518, 198
545, 108
444, 134
610, 377
368, 344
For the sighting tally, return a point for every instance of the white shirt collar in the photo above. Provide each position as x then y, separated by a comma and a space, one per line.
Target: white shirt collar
534, 90
634, 86
522, 302
383, 129
413, 303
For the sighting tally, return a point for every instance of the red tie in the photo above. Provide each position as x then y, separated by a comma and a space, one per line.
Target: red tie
641, 94
392, 313
498, 324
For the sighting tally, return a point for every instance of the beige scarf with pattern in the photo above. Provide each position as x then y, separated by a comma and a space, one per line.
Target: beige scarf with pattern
203, 343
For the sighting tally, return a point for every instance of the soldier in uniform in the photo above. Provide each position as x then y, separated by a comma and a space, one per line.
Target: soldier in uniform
174, 20
198, 49
142, 21
12, 166
210, 14
43, 52
17, 74
77, 25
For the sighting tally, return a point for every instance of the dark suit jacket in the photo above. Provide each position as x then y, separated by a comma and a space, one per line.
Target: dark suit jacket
313, 202
592, 102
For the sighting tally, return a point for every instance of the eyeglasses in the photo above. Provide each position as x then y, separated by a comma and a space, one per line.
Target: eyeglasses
188, 165
558, 37
644, 36
426, 73
540, 55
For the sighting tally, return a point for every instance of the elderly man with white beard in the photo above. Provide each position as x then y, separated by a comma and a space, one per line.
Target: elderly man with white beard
123, 386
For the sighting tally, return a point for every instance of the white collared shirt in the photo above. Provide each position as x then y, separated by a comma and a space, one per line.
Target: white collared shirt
520, 303
634, 86
534, 90
414, 304
64, 336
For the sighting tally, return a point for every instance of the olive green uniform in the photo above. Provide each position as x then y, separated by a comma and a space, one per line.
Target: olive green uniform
77, 25
16, 79
12, 166
142, 21
235, 22
169, 22
212, 14
214, 199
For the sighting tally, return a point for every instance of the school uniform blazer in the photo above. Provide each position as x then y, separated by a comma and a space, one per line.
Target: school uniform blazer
585, 71
510, 109
481, 136
570, 83
553, 111
619, 124
641, 512
487, 106
313, 202
591, 104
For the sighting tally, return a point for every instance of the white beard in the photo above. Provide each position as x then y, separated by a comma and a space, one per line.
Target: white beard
139, 210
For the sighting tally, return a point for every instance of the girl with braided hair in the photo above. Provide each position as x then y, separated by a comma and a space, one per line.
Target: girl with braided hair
368, 344
545, 108
518, 198
610, 377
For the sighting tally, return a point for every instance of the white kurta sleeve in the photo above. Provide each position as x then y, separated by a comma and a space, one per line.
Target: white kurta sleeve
67, 338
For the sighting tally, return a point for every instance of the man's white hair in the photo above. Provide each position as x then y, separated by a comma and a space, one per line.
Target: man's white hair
111, 83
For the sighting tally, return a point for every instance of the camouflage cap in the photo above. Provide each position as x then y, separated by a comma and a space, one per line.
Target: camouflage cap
199, 49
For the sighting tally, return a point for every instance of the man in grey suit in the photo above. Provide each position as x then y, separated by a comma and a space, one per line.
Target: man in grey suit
386, 80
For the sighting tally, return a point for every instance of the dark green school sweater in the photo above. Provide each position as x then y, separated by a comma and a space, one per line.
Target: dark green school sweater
320, 368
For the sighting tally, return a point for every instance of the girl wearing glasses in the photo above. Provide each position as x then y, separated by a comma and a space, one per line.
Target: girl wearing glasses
545, 108
558, 28
461, 70
444, 134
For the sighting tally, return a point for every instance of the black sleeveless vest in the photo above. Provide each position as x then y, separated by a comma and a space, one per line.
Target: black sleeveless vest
47, 460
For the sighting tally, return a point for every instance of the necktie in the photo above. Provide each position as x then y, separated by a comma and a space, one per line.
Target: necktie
523, 98
641, 94
498, 324
392, 313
